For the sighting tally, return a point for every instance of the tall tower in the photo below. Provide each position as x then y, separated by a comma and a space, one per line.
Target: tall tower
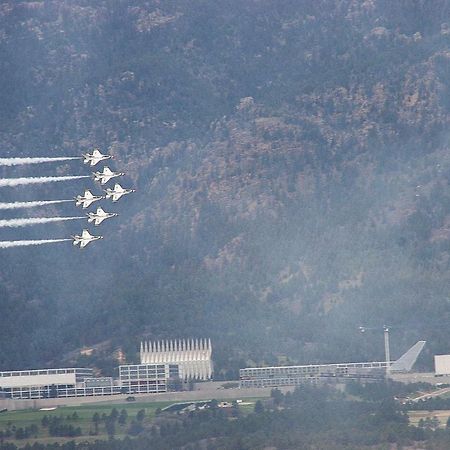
387, 350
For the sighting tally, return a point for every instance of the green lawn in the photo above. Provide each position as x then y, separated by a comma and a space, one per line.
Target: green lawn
441, 415
14, 420
25, 418
85, 412
21, 419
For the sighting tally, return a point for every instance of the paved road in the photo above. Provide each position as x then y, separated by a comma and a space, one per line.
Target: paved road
437, 393
208, 393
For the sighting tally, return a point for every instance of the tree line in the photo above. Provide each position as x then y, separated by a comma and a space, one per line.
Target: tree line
309, 417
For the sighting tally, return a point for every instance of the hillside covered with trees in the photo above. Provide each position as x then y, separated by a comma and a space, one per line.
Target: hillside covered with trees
292, 166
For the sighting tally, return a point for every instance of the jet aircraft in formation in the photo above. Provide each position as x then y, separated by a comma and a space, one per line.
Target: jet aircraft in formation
87, 199
95, 157
99, 216
117, 192
106, 175
85, 238
84, 200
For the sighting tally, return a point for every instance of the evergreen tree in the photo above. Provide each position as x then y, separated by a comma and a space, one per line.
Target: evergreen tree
96, 421
140, 415
123, 417
259, 407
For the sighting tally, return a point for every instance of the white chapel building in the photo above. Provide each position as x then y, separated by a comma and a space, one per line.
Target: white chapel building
193, 356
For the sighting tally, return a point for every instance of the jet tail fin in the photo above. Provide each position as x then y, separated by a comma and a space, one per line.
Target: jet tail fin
408, 359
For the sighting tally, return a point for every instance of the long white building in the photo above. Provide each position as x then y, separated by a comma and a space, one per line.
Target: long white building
53, 383
295, 375
193, 356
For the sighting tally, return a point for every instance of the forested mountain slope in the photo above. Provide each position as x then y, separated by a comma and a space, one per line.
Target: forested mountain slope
292, 166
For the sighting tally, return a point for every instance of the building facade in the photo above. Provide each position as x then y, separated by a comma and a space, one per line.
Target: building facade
313, 373
193, 357
80, 382
441, 365
165, 365
53, 383
147, 378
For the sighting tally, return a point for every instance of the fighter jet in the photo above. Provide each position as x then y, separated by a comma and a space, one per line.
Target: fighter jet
117, 192
106, 175
85, 238
95, 157
87, 199
99, 216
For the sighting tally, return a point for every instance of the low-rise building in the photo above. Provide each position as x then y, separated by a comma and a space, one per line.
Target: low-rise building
296, 375
51, 383
147, 378
441, 365
165, 365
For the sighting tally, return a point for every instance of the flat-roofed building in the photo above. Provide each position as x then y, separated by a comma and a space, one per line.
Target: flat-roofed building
147, 378
442, 364
41, 383
296, 375
55, 383
80, 382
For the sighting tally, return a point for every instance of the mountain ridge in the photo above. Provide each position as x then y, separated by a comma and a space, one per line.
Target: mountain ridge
292, 169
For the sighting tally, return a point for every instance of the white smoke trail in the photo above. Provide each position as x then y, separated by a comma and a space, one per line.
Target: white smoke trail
8, 244
21, 161
14, 223
17, 205
38, 180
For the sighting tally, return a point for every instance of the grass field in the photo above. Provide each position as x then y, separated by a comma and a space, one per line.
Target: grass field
85, 412
25, 418
441, 415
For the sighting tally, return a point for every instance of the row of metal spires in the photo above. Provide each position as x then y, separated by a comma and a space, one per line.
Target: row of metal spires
176, 345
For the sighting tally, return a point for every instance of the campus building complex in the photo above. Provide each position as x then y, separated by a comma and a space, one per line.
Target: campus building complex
164, 366
296, 375
193, 357
52, 383
78, 382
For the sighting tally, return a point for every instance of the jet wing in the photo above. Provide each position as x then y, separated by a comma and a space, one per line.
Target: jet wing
87, 203
107, 171
85, 234
88, 195
84, 243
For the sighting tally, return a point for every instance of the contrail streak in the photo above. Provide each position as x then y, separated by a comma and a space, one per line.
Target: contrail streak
7, 244
14, 223
21, 161
17, 205
38, 180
